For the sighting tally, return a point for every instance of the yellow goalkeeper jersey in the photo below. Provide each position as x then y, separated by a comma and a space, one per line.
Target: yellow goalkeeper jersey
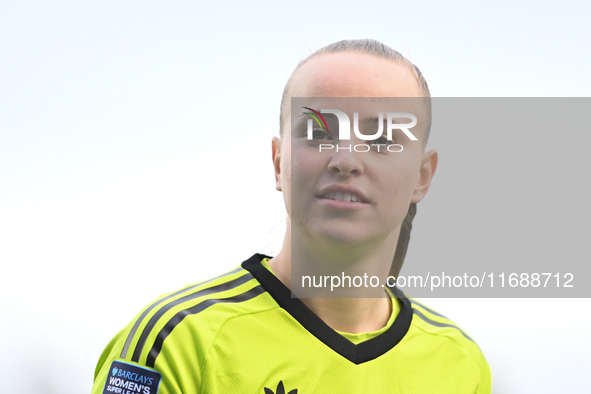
242, 332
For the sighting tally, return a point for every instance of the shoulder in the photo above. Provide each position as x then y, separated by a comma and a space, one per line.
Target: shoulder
184, 319
189, 306
434, 329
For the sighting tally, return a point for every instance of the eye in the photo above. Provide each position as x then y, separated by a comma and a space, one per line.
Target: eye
318, 134
382, 141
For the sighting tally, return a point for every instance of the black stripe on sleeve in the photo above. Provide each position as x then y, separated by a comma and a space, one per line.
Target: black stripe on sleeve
155, 304
439, 324
178, 318
431, 311
211, 290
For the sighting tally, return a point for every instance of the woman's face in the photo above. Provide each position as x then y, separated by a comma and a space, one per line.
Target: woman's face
348, 197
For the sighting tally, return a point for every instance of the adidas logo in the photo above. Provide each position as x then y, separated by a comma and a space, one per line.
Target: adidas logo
280, 389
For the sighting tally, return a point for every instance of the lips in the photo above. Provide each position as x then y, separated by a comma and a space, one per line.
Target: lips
347, 197
343, 193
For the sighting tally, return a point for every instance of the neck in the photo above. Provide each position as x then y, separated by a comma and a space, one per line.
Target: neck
340, 311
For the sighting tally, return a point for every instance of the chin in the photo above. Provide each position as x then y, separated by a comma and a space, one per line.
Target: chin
341, 236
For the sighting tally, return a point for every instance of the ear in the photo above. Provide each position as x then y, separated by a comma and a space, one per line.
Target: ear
426, 172
276, 152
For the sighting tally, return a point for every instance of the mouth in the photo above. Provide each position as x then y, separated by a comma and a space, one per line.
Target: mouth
338, 196
343, 193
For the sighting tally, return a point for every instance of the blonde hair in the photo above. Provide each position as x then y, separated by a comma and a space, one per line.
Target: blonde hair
369, 47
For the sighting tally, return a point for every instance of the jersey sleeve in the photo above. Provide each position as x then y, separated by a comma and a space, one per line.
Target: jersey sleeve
436, 324
485, 375
117, 372
163, 350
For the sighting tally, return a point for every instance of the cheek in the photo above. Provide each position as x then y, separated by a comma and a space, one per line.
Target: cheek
306, 166
285, 178
300, 168
286, 182
400, 183
397, 197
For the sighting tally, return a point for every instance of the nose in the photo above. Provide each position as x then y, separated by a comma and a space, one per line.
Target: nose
346, 161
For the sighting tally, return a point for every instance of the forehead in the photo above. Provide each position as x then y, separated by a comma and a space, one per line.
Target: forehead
350, 74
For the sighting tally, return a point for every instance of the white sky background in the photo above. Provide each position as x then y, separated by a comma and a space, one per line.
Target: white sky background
135, 159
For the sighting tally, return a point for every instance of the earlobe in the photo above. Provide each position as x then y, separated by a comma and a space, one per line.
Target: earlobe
276, 154
426, 172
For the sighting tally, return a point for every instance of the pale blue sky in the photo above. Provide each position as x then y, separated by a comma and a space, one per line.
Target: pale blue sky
106, 174
87, 83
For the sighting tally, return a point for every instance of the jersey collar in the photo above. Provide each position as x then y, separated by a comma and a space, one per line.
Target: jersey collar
357, 354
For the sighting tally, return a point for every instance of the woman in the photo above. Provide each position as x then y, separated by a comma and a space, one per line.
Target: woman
244, 332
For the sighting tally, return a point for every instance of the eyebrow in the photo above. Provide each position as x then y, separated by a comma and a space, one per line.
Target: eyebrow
330, 118
375, 119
